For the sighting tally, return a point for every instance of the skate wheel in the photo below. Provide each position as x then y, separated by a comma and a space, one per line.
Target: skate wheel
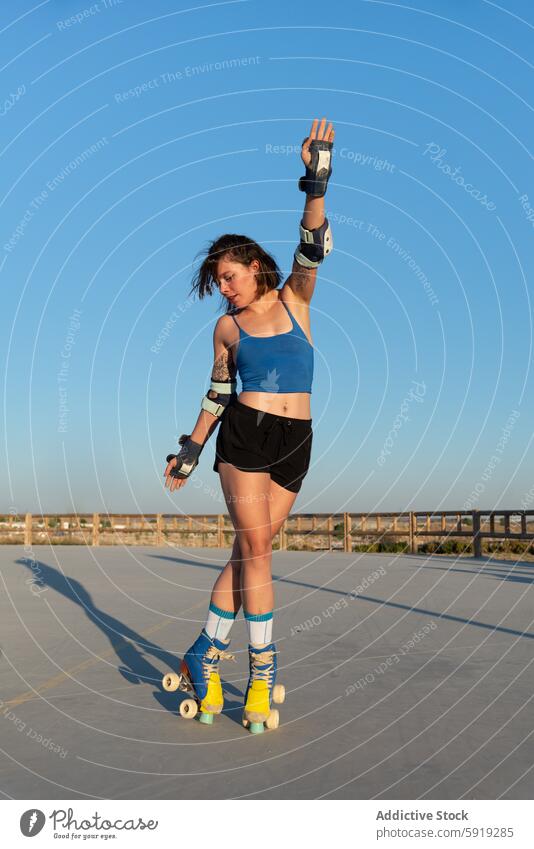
171, 682
245, 722
206, 718
256, 727
279, 694
273, 720
188, 708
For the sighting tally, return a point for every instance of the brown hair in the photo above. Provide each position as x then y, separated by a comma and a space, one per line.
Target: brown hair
237, 249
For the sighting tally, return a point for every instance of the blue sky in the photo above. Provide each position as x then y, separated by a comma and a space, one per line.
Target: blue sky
133, 134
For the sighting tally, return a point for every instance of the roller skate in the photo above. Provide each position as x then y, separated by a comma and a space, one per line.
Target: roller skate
262, 689
199, 674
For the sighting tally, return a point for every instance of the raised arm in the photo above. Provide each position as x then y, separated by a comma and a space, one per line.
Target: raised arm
316, 237
219, 395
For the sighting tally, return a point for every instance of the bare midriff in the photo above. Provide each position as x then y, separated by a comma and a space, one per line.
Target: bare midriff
296, 405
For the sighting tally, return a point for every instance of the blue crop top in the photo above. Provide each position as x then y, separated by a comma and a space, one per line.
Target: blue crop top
279, 363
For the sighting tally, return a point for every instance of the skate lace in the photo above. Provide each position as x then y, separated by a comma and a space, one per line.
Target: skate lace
211, 659
262, 666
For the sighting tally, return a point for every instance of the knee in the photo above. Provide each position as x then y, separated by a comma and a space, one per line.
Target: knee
255, 547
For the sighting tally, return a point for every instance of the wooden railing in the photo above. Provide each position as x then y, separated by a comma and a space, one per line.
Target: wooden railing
340, 530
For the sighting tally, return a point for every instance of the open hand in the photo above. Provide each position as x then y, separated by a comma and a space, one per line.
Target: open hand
317, 132
170, 482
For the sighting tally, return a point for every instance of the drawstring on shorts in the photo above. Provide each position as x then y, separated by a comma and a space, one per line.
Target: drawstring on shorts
283, 426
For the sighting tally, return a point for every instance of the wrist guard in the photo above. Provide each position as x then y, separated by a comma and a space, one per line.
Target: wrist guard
315, 180
224, 391
315, 245
187, 458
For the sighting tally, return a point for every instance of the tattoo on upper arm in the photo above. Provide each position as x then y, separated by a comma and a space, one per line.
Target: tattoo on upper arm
223, 370
302, 276
223, 367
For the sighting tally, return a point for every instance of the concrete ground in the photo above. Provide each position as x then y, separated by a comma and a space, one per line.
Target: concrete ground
407, 677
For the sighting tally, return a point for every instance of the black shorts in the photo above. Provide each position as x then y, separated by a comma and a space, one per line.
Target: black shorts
254, 441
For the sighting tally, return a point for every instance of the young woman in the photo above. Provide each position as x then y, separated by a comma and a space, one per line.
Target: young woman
264, 441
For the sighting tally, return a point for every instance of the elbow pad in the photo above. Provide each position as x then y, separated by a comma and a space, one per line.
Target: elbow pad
187, 458
224, 392
315, 180
315, 245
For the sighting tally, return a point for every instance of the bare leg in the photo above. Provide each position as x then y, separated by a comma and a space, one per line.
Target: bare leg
226, 592
257, 507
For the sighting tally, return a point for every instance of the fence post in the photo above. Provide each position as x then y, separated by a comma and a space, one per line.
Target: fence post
347, 527
413, 532
96, 528
220, 534
477, 542
282, 542
159, 529
28, 530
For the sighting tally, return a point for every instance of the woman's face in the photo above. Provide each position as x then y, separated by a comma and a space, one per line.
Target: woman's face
237, 282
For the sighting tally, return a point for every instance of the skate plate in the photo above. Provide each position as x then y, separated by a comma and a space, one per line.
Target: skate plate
189, 708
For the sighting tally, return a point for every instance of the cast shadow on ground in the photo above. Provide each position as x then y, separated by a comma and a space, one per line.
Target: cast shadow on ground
130, 647
447, 617
490, 569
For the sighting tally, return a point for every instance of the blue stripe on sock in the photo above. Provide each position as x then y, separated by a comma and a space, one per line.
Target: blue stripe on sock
224, 614
258, 617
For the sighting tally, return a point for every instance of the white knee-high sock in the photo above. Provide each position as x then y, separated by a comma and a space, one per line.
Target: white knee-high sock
260, 628
219, 622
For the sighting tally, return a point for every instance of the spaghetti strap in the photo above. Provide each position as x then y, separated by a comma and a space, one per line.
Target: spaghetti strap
286, 306
233, 316
291, 316
295, 322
